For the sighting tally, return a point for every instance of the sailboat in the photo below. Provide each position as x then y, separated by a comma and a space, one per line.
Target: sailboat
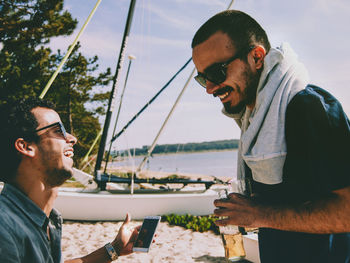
96, 202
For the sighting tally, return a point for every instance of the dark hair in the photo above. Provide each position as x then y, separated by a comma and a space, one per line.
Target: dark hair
243, 30
17, 121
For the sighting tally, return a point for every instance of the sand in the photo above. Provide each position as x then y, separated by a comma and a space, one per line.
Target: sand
173, 243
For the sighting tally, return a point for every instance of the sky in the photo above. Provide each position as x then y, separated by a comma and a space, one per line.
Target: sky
160, 39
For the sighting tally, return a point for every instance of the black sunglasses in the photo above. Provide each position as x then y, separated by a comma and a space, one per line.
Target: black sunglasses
216, 73
58, 125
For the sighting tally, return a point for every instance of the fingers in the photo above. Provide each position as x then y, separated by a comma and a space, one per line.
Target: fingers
223, 212
221, 222
127, 219
233, 199
135, 233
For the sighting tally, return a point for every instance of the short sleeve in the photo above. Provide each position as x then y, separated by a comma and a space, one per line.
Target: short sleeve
318, 143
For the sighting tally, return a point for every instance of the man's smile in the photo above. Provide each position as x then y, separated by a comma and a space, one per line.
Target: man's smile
69, 153
223, 93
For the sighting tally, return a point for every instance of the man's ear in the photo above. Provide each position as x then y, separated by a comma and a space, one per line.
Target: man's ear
259, 53
24, 147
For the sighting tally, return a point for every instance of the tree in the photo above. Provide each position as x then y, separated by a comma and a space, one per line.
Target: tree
27, 63
25, 28
74, 88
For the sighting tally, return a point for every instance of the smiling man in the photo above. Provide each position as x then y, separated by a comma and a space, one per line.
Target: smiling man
294, 151
36, 158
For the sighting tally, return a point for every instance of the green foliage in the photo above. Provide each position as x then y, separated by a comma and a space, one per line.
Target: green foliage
26, 65
25, 27
75, 88
196, 223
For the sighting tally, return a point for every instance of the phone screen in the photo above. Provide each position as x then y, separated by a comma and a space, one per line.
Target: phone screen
146, 234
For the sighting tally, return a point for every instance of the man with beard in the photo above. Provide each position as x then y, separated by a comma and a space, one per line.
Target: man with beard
293, 158
36, 158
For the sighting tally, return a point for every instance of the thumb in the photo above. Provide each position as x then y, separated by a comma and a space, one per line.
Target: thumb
127, 219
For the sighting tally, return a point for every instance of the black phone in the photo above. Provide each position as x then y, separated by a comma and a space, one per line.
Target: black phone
146, 233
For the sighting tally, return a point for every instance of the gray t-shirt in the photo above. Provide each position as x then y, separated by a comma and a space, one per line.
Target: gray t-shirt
23, 229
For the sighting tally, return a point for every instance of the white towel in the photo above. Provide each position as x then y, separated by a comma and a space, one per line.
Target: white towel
262, 145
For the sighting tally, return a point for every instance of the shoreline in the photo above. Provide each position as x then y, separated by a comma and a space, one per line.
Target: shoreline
182, 152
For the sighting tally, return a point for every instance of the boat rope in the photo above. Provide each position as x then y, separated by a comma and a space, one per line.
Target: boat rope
54, 75
131, 58
149, 102
86, 157
165, 122
150, 150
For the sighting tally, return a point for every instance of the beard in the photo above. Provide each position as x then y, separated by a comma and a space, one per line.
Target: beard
248, 95
56, 177
56, 171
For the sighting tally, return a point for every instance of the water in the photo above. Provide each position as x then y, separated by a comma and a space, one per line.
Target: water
219, 164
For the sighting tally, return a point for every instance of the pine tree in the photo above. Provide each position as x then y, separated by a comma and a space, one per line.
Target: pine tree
27, 63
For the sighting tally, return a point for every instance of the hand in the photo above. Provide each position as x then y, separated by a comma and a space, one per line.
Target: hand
239, 210
126, 238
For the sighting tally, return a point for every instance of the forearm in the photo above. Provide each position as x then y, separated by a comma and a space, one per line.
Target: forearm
329, 215
100, 255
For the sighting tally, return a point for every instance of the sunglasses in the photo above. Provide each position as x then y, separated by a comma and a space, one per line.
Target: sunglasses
59, 125
216, 73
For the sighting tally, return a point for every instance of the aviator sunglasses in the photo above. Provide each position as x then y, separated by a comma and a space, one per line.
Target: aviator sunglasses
216, 73
58, 125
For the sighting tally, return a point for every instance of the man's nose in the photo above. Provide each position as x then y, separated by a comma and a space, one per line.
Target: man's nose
71, 139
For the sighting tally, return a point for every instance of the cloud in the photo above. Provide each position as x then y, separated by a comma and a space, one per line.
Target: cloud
171, 18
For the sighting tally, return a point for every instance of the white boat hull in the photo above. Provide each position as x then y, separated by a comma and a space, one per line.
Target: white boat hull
106, 206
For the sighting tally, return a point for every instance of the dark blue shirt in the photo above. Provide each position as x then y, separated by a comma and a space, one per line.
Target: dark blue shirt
23, 230
317, 163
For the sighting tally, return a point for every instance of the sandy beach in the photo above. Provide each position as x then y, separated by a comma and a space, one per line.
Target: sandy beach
173, 243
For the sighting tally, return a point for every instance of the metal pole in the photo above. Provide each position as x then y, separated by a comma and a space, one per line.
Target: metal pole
114, 90
131, 57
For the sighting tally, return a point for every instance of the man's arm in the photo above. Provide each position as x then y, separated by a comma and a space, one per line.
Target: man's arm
122, 244
9, 253
330, 214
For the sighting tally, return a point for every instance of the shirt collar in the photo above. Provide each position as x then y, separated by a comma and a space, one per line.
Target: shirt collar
28, 207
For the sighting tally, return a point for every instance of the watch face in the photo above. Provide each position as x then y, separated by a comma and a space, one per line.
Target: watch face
111, 252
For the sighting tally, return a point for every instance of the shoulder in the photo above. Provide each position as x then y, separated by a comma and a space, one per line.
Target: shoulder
313, 97
316, 106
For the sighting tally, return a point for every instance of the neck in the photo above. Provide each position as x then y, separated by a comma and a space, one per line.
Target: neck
32, 185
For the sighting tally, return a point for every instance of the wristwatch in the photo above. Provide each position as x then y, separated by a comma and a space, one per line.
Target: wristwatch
111, 251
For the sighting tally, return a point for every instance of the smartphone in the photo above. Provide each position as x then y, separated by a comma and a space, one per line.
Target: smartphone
146, 234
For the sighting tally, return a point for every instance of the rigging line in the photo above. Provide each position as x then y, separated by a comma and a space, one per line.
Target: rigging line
54, 75
149, 102
166, 120
86, 157
149, 152
131, 58
116, 77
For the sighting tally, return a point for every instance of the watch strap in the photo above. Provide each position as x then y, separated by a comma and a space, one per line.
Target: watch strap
111, 251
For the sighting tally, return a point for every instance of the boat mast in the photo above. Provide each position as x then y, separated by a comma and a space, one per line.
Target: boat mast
131, 58
114, 90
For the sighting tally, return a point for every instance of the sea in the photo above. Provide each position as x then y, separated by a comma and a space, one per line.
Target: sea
214, 163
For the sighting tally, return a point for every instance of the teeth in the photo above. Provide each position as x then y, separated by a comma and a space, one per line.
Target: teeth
222, 96
69, 154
